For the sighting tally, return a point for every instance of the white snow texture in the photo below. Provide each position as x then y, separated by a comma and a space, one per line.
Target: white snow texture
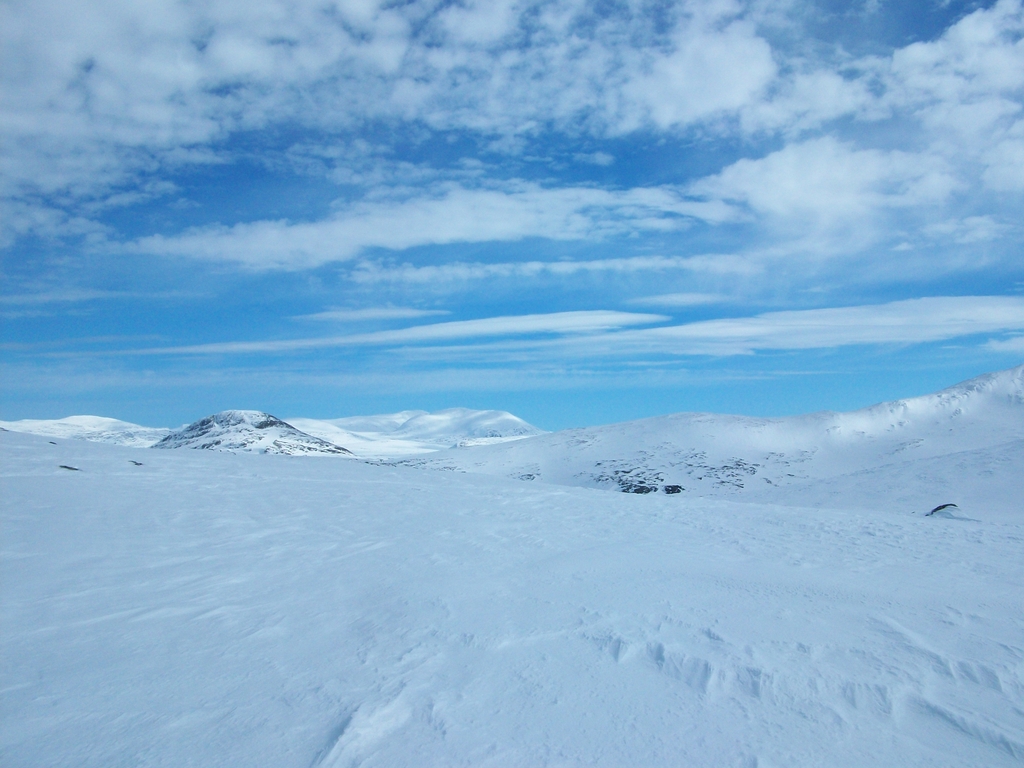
790, 605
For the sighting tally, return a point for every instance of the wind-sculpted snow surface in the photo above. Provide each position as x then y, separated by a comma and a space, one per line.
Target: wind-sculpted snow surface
863, 457
217, 609
252, 431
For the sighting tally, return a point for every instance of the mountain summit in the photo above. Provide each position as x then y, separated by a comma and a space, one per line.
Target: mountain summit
251, 431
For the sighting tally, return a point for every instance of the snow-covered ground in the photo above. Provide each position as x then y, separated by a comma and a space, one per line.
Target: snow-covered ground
216, 609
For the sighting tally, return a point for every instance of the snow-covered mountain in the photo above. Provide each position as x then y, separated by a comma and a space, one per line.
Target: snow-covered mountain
95, 428
417, 432
806, 459
251, 431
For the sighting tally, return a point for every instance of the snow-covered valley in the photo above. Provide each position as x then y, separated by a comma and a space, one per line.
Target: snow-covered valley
181, 607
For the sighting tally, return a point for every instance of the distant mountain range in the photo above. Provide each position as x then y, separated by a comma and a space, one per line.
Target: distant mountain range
373, 437
976, 428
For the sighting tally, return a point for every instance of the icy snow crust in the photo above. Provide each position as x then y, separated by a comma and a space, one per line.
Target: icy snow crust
217, 609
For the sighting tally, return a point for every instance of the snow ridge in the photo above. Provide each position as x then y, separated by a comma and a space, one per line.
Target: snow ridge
252, 431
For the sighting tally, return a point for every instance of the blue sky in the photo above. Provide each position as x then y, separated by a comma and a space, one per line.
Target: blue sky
581, 212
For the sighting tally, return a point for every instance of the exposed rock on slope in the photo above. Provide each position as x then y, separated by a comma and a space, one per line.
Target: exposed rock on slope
252, 431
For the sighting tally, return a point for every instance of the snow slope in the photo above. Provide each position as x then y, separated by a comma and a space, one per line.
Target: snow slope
863, 457
417, 432
252, 431
220, 609
96, 428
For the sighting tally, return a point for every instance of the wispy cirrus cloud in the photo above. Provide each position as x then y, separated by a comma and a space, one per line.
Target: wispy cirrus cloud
601, 334
558, 323
907, 322
913, 321
441, 274
372, 313
449, 214
679, 300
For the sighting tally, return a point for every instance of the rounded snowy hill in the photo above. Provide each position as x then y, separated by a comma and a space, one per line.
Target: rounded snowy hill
416, 432
975, 429
96, 428
252, 431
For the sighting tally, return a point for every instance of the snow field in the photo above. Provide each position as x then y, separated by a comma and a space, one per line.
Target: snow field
216, 609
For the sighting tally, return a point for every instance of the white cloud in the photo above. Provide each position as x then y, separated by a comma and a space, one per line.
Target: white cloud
679, 300
373, 272
479, 24
372, 313
76, 295
594, 158
826, 197
97, 95
583, 322
826, 181
94, 93
1013, 345
450, 214
1004, 162
912, 321
64, 296
805, 100
972, 229
602, 334
708, 70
